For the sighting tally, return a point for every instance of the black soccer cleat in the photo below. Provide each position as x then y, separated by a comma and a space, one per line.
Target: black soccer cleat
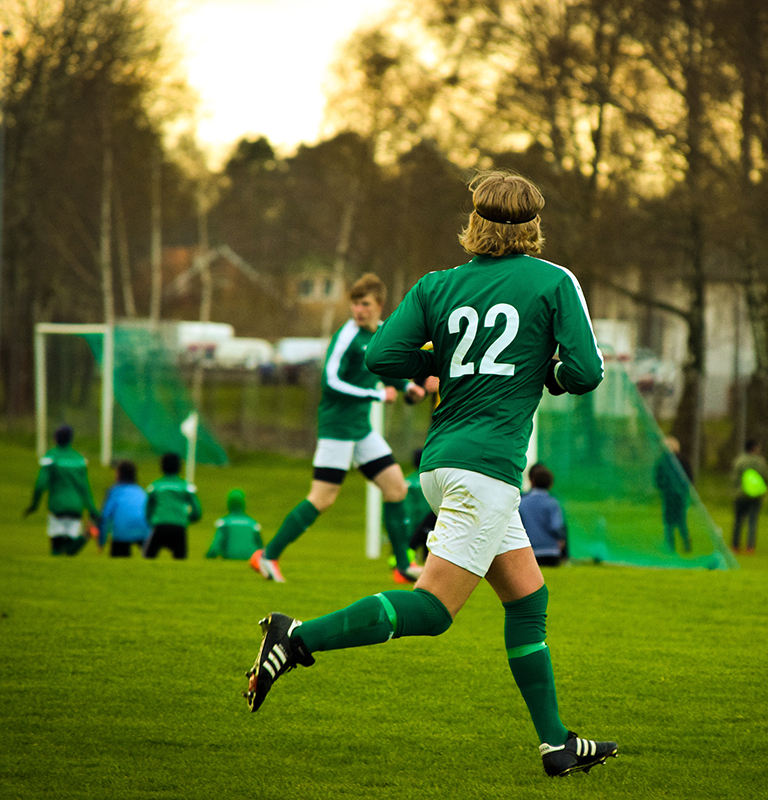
576, 755
278, 654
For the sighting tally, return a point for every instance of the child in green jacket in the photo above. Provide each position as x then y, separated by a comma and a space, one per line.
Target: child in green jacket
171, 505
64, 475
237, 535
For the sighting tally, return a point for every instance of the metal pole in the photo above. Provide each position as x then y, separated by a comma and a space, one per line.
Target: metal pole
373, 497
41, 391
107, 394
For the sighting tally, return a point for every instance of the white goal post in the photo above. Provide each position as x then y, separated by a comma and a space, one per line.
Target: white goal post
373, 497
43, 329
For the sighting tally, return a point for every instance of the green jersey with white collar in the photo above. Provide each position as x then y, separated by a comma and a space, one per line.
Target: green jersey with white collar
495, 323
348, 386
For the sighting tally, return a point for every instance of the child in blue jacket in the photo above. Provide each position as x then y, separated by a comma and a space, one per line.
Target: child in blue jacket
124, 512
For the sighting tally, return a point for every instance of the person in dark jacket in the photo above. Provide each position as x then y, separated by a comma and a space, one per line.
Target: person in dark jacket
543, 519
672, 477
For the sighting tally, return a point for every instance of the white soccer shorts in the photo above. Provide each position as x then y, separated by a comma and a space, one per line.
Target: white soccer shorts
477, 517
343, 454
64, 526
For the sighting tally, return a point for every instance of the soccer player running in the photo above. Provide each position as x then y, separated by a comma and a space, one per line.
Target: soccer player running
496, 324
345, 437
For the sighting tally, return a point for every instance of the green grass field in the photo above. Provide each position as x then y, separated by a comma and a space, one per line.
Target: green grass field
121, 679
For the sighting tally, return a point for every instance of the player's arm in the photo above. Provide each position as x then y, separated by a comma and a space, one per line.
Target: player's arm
106, 517
87, 495
41, 484
195, 509
395, 350
216, 548
580, 366
333, 368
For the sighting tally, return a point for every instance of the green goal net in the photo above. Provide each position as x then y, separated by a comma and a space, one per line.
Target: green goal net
151, 398
608, 454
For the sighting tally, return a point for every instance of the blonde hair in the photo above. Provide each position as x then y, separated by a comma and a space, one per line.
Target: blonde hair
506, 216
369, 284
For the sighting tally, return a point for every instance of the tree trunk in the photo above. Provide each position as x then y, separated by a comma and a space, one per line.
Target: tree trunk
156, 242
129, 301
105, 253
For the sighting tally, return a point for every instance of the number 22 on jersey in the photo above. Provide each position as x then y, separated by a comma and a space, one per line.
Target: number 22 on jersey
488, 364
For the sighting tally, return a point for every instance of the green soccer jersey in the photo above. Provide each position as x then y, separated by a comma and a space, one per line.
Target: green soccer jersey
237, 536
495, 323
348, 386
172, 501
63, 474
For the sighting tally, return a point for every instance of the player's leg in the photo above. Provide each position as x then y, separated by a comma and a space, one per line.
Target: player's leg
119, 549
738, 521
396, 520
322, 495
752, 519
73, 529
375, 460
153, 542
177, 541
517, 580
330, 464
59, 545
287, 642
428, 610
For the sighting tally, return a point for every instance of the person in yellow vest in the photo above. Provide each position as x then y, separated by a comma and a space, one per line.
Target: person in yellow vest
749, 477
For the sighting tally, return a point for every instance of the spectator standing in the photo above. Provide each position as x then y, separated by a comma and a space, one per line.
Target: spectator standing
672, 476
749, 477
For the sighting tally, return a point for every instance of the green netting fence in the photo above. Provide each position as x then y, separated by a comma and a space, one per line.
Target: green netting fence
603, 449
151, 394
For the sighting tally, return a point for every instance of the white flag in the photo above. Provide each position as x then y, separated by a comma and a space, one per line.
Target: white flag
189, 426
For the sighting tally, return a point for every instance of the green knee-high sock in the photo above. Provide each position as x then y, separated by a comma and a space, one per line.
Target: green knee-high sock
293, 526
397, 524
528, 654
377, 619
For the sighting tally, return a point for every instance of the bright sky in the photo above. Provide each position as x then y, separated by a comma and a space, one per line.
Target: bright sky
259, 66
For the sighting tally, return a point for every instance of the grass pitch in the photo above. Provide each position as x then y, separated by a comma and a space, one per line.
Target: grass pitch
121, 678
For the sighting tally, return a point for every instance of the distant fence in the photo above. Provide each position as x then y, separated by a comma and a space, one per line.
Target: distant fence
270, 408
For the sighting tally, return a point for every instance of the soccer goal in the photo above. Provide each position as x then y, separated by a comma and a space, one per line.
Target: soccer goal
144, 400
107, 333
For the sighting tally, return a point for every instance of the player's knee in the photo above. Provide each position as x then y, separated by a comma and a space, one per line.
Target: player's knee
395, 494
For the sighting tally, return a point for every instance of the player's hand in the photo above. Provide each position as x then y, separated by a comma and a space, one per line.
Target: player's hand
432, 384
390, 394
414, 393
550, 382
